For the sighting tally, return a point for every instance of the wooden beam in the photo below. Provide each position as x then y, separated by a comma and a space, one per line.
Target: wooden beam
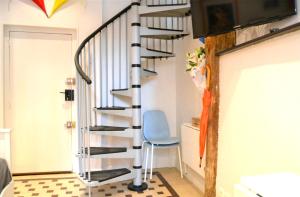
214, 45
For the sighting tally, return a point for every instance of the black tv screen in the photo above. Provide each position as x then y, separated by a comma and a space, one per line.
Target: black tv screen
212, 17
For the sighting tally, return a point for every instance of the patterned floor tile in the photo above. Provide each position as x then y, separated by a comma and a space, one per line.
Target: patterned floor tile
73, 187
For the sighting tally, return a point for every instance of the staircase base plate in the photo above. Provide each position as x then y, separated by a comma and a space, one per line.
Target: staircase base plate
140, 188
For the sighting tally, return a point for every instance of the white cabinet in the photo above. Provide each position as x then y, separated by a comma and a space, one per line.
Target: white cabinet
5, 151
190, 148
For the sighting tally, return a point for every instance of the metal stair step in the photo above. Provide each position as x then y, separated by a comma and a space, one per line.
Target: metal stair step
112, 131
122, 92
105, 150
116, 111
160, 33
148, 73
112, 108
109, 153
166, 10
165, 29
155, 54
160, 5
107, 128
104, 175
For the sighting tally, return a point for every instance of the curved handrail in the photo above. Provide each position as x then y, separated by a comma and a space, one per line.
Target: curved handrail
85, 41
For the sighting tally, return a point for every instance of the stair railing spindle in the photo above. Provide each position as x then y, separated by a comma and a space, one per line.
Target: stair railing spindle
84, 60
88, 129
84, 128
89, 59
172, 27
181, 18
113, 61
153, 40
126, 53
100, 70
94, 79
147, 42
81, 128
79, 121
106, 65
120, 55
186, 23
89, 72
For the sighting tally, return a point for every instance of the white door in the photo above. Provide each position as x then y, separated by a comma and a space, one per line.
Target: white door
38, 66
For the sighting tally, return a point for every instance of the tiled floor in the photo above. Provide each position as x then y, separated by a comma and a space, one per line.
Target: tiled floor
183, 187
166, 183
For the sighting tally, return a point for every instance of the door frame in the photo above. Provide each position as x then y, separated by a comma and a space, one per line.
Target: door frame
46, 30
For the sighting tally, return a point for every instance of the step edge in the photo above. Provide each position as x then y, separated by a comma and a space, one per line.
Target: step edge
130, 175
166, 5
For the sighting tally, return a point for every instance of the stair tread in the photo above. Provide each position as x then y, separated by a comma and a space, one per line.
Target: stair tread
176, 34
104, 175
107, 128
112, 108
105, 150
166, 29
151, 71
162, 5
165, 10
160, 51
168, 54
125, 89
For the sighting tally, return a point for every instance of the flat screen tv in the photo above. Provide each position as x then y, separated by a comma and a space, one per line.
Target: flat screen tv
212, 17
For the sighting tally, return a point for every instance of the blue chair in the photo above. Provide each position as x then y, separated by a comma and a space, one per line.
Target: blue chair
157, 135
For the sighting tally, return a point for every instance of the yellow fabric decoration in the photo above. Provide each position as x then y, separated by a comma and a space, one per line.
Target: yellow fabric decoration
57, 5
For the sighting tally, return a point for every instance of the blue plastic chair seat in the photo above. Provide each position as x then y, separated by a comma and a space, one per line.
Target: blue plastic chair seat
165, 142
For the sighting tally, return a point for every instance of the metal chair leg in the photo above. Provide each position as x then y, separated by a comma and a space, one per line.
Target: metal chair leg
146, 164
151, 168
180, 161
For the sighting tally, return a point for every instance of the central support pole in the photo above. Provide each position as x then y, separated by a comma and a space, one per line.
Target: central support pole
137, 184
214, 45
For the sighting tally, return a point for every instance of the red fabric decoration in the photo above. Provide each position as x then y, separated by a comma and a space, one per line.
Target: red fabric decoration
41, 4
206, 102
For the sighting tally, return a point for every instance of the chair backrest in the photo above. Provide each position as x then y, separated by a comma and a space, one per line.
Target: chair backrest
155, 125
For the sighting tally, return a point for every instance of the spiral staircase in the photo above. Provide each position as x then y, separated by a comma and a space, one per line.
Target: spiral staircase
111, 64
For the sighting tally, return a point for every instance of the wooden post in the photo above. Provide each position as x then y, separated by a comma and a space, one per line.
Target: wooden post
214, 45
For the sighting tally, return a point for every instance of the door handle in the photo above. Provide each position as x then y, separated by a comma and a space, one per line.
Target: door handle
69, 94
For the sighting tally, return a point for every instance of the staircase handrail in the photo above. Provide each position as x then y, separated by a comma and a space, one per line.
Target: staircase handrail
85, 41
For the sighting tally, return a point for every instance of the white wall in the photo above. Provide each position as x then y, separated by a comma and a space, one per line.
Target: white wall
82, 16
79, 15
259, 111
112, 7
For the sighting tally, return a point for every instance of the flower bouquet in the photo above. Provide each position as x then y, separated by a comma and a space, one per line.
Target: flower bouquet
196, 66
